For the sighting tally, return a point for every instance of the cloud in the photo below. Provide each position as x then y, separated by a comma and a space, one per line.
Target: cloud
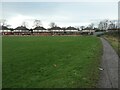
18, 20
63, 14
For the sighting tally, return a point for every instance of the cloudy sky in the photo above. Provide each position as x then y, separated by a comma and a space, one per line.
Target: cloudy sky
62, 13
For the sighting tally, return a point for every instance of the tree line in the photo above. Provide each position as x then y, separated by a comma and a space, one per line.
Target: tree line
103, 25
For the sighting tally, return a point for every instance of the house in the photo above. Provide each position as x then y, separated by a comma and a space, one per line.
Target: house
72, 31
40, 31
87, 32
5, 30
56, 30
21, 30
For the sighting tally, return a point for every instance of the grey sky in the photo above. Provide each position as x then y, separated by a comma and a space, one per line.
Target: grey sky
63, 13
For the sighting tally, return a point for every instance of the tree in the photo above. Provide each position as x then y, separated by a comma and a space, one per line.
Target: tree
112, 25
37, 23
52, 24
103, 25
91, 26
24, 24
106, 25
3, 22
82, 27
100, 25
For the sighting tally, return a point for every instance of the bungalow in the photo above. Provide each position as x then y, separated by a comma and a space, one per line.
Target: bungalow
21, 30
87, 32
40, 31
5, 30
72, 31
56, 31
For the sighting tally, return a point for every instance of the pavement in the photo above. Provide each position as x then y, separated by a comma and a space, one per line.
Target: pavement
109, 65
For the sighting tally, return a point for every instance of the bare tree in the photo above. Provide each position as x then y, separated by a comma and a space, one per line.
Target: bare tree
103, 25
112, 25
24, 24
100, 25
106, 24
37, 23
52, 24
91, 26
3, 22
82, 27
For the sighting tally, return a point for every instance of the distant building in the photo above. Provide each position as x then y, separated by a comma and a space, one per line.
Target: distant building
56, 31
87, 32
5, 30
21, 30
72, 31
40, 31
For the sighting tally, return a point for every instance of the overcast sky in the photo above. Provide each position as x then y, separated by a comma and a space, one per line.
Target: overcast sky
63, 13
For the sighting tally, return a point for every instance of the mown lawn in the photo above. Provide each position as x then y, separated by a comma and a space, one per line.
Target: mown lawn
51, 62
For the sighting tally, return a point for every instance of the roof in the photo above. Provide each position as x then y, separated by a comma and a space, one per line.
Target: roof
87, 28
55, 28
71, 28
21, 28
63, 28
39, 28
4, 28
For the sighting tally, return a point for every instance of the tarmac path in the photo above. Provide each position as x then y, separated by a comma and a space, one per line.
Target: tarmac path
109, 64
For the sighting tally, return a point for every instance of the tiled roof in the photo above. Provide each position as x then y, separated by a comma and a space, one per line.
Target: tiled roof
71, 28
4, 28
21, 28
55, 28
39, 28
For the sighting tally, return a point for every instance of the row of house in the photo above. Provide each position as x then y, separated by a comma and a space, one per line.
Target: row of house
22, 30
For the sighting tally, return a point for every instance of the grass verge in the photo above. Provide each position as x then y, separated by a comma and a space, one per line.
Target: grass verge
114, 42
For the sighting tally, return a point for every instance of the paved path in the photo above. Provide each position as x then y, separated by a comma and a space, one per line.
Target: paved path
109, 74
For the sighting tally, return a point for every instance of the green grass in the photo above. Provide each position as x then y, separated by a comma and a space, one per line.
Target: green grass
51, 62
113, 41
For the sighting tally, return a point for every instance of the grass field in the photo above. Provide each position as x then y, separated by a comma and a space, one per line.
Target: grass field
51, 62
